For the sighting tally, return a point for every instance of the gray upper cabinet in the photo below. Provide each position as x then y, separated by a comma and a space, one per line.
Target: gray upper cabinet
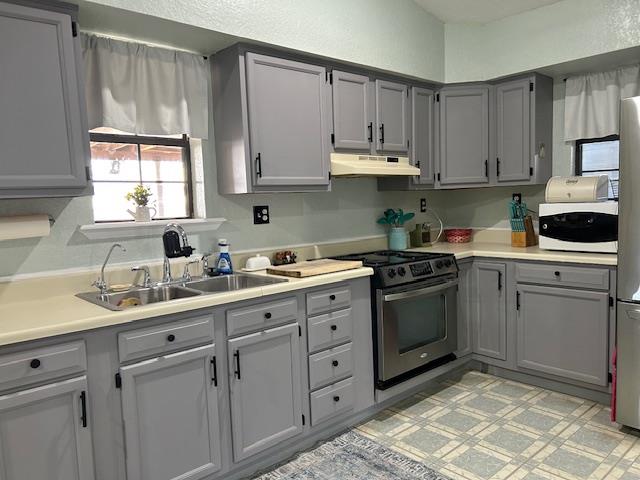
171, 419
43, 132
266, 389
44, 433
563, 332
352, 111
392, 119
422, 147
491, 315
464, 135
513, 131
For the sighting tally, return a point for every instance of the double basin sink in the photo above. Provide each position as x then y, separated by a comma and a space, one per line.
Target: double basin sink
186, 289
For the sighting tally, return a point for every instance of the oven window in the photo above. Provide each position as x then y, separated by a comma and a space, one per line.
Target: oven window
421, 321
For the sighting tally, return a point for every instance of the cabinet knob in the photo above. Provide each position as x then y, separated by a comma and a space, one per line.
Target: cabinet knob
267, 315
556, 273
35, 363
171, 337
332, 297
336, 398
334, 328
335, 363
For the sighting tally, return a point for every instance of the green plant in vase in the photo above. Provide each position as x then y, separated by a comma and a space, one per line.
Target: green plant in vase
140, 196
396, 220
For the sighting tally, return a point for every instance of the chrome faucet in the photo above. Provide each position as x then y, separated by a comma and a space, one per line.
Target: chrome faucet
101, 284
146, 280
173, 250
186, 275
205, 264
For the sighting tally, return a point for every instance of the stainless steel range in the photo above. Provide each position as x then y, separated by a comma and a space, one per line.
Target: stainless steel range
414, 312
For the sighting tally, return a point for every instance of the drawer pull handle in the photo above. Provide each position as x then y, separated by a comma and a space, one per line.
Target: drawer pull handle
334, 328
83, 408
236, 355
171, 337
35, 363
336, 398
267, 315
332, 297
335, 363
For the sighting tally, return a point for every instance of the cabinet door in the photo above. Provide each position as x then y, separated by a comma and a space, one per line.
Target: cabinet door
564, 332
44, 434
391, 117
352, 116
491, 315
422, 133
170, 410
43, 140
465, 278
464, 136
287, 103
266, 395
513, 130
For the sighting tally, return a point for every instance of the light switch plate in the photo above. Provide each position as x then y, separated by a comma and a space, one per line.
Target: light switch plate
260, 214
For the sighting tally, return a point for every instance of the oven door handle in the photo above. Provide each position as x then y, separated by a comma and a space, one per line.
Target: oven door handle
420, 292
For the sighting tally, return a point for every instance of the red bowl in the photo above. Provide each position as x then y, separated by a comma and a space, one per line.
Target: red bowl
458, 235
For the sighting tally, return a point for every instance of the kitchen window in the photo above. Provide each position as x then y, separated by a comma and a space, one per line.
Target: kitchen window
600, 156
120, 161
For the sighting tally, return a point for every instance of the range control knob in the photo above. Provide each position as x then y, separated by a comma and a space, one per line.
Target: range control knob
391, 273
401, 271
448, 262
439, 264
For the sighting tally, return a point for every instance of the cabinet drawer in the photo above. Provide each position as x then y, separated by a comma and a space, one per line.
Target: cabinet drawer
329, 329
41, 364
581, 277
331, 400
264, 315
330, 365
328, 300
164, 338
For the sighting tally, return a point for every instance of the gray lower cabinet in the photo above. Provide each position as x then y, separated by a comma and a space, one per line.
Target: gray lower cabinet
490, 338
422, 147
465, 289
44, 433
513, 130
352, 111
43, 132
266, 389
563, 332
464, 135
392, 117
171, 419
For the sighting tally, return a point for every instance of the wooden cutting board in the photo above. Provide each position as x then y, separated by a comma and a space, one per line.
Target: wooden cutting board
314, 267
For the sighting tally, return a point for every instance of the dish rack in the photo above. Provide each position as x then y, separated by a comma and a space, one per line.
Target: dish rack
522, 233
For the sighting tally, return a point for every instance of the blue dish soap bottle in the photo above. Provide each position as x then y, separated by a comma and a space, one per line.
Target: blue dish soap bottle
223, 265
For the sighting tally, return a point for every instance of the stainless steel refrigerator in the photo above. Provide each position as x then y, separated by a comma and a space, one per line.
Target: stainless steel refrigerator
628, 285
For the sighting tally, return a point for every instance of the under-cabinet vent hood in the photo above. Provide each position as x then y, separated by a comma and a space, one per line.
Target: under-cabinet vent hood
350, 165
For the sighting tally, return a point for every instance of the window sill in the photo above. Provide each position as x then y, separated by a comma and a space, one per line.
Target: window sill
121, 230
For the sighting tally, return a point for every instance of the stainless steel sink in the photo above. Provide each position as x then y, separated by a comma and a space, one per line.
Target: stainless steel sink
138, 296
229, 283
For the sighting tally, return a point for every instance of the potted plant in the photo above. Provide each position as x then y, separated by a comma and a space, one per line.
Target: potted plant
397, 233
140, 196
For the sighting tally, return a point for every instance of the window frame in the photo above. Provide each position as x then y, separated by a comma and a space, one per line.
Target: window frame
578, 156
138, 140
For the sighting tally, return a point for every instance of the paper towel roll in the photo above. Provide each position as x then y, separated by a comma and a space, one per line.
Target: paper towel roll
24, 226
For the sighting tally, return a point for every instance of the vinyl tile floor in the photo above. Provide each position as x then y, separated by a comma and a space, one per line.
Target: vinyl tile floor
479, 427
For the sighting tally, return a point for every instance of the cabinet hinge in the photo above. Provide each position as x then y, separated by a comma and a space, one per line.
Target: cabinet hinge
609, 377
531, 86
333, 138
531, 171
331, 78
437, 97
417, 164
329, 175
304, 421
610, 301
438, 176
407, 143
299, 331
87, 170
74, 29
118, 381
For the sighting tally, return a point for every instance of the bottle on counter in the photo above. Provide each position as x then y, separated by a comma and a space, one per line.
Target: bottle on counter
223, 264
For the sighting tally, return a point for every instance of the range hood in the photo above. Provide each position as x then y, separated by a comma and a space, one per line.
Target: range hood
353, 165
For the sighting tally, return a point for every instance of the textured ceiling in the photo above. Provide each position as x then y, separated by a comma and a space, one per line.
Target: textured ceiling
478, 11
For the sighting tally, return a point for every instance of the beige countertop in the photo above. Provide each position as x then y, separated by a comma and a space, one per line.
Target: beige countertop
506, 251
25, 317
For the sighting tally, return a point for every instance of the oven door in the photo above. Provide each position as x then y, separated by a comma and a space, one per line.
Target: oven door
415, 326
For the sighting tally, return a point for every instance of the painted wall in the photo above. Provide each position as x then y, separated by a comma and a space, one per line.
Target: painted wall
396, 35
557, 33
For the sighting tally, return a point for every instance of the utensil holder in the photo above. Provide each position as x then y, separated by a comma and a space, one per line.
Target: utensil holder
397, 238
522, 234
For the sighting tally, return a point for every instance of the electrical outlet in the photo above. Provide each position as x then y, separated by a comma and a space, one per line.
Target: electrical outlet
423, 205
516, 197
260, 214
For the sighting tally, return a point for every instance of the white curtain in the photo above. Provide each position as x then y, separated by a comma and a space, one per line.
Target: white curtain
145, 90
592, 102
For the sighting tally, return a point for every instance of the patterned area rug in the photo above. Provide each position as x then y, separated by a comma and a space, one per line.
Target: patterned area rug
351, 457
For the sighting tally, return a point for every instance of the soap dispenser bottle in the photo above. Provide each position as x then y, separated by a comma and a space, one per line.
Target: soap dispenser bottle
223, 265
